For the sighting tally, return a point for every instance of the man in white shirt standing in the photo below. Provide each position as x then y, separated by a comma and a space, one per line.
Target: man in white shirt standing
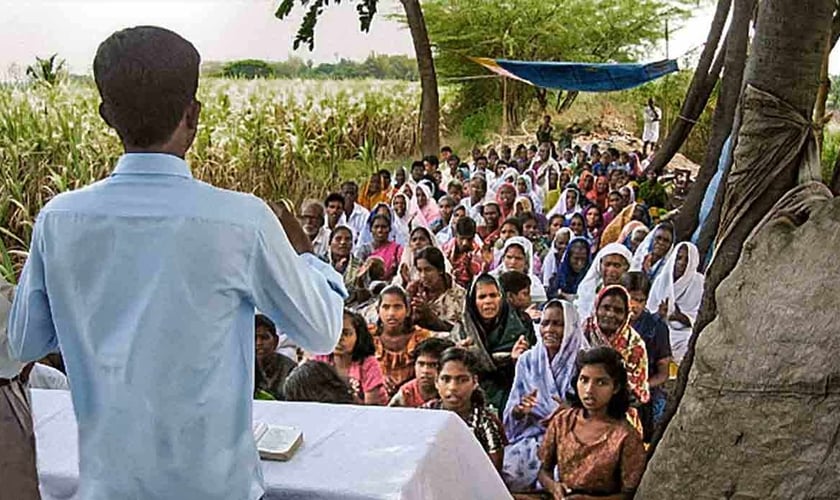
149, 279
650, 135
18, 474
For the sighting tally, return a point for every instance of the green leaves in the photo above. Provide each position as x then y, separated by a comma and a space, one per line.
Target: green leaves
306, 32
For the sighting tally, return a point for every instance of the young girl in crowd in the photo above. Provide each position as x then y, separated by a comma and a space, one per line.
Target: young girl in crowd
354, 359
457, 385
589, 449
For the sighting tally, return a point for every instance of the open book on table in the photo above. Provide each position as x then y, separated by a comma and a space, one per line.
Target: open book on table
277, 442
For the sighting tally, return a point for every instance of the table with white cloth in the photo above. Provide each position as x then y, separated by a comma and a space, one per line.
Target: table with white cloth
348, 452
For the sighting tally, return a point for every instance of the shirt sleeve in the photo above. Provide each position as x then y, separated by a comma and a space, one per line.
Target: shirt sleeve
31, 330
371, 374
632, 461
303, 295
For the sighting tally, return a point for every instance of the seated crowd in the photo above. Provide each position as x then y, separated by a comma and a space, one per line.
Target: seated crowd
538, 296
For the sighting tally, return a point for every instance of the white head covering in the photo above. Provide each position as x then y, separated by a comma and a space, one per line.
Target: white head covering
538, 294
560, 207
645, 248
509, 175
550, 262
592, 282
686, 292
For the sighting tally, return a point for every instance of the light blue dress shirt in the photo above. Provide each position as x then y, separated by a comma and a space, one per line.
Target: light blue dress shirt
148, 281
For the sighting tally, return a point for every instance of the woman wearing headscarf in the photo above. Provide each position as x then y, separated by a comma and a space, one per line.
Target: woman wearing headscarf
567, 204
407, 213
676, 295
437, 302
614, 330
552, 187
399, 230
494, 333
607, 268
594, 225
586, 182
555, 254
524, 188
373, 192
599, 195
426, 203
544, 375
651, 255
633, 234
419, 238
505, 196
518, 255
564, 282
613, 230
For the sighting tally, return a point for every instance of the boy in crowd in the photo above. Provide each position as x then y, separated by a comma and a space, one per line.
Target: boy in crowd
517, 288
654, 332
420, 390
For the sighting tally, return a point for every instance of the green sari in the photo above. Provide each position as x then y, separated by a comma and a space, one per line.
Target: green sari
492, 343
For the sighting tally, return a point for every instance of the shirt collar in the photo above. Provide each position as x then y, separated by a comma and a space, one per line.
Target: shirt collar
152, 164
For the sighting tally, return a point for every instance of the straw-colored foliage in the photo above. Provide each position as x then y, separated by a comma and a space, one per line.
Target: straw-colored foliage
273, 138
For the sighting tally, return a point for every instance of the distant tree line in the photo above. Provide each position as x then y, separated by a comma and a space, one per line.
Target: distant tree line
375, 66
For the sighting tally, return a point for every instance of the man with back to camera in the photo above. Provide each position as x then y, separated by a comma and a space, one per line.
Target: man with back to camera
149, 280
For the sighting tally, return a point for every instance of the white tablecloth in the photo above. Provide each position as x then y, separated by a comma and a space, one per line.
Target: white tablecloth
348, 452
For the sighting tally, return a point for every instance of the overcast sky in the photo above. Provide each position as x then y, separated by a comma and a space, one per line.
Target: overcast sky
223, 30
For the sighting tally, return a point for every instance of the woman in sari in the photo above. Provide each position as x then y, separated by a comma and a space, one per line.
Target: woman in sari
524, 189
577, 224
573, 266
676, 295
494, 333
523, 205
505, 196
552, 187
382, 245
426, 204
399, 230
600, 193
543, 377
594, 225
341, 258
567, 204
518, 255
373, 192
586, 183
420, 238
633, 234
555, 255
612, 232
651, 255
437, 302
406, 211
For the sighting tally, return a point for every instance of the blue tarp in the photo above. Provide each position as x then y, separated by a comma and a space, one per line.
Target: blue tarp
583, 77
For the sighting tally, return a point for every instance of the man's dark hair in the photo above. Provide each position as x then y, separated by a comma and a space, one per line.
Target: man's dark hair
317, 382
334, 197
146, 76
514, 282
614, 366
527, 217
636, 281
349, 184
364, 342
432, 160
446, 149
432, 347
513, 221
482, 157
465, 227
454, 158
385, 172
261, 320
417, 164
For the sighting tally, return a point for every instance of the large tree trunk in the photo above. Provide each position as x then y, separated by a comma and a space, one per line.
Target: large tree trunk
702, 84
737, 40
790, 36
429, 101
